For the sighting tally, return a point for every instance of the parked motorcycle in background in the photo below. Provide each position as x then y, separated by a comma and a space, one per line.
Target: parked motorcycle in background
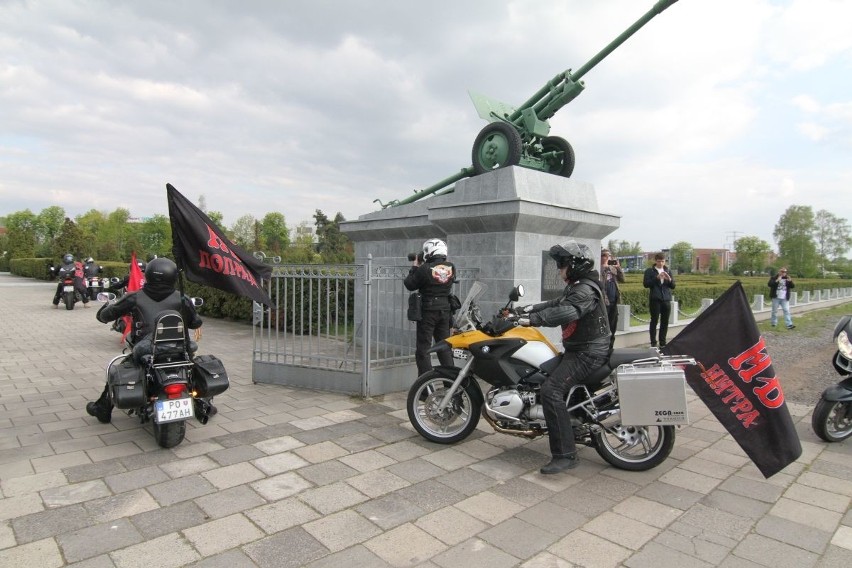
626, 411
832, 417
172, 385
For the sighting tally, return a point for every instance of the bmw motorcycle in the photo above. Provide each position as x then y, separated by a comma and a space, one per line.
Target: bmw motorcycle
445, 404
172, 385
832, 416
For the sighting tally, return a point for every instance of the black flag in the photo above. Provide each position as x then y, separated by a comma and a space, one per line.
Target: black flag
207, 257
735, 379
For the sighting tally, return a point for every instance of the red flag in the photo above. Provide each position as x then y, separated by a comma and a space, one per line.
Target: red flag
134, 284
203, 252
736, 381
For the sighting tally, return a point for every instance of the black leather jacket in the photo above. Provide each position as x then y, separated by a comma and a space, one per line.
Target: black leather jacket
434, 280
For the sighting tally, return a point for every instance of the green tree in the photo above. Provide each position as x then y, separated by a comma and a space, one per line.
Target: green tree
752, 254
334, 246
715, 264
116, 234
155, 236
832, 236
794, 235
217, 218
244, 233
680, 256
50, 222
274, 232
302, 250
21, 227
70, 239
91, 224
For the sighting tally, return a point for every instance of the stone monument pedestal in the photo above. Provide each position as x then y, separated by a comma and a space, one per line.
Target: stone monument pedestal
502, 222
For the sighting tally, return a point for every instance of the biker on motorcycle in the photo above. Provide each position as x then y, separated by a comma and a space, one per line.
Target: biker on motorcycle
90, 268
156, 296
581, 312
70, 267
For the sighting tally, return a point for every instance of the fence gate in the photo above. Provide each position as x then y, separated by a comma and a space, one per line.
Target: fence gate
341, 328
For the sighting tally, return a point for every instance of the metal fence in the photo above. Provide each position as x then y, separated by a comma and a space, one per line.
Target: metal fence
332, 327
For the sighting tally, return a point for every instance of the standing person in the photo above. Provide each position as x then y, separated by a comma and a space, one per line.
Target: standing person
581, 312
158, 295
611, 275
658, 279
433, 278
779, 290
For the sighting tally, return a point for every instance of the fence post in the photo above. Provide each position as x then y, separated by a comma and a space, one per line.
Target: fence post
758, 303
673, 316
365, 371
623, 317
705, 303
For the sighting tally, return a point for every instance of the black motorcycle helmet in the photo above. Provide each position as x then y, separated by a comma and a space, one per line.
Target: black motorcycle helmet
576, 256
161, 272
68, 258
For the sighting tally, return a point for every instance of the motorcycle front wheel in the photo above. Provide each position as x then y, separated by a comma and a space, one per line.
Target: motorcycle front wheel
169, 434
456, 421
831, 420
635, 448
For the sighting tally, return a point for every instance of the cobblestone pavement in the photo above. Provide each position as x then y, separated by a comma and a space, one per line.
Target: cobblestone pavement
286, 477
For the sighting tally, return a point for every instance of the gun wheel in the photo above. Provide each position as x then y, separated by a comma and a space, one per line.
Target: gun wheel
559, 156
496, 146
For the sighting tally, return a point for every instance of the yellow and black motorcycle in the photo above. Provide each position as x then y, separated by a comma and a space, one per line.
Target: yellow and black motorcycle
444, 405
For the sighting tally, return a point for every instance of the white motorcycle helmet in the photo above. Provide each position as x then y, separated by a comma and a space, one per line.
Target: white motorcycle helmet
434, 247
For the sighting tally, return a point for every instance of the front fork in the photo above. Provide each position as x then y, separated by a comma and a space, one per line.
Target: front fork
448, 396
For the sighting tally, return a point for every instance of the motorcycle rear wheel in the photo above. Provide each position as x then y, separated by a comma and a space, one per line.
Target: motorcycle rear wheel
170, 434
635, 448
452, 424
830, 420
70, 299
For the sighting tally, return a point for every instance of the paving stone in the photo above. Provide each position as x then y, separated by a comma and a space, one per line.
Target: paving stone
752, 489
355, 556
332, 498
188, 466
327, 472
37, 526
818, 497
292, 548
281, 486
697, 546
173, 518
405, 545
584, 549
488, 507
341, 530
518, 538
736, 504
229, 501
656, 556
647, 511
390, 510
90, 471
690, 480
136, 479
278, 445
281, 515
451, 525
98, 539
122, 505
416, 470
231, 559
279, 463
588, 504
431, 495
719, 522
222, 534
235, 455
670, 495
74, 493
808, 514
168, 551
475, 552
181, 489
797, 534
770, 552
41, 553
32, 483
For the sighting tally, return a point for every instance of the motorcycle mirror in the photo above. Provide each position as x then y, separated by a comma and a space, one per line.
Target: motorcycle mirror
197, 302
516, 293
105, 297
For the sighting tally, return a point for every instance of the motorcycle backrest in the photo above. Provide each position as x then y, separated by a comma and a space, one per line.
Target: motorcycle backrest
168, 327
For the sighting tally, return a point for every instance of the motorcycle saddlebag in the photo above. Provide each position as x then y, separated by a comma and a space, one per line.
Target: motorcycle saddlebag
127, 384
209, 376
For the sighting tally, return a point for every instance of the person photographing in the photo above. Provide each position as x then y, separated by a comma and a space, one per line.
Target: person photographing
660, 283
432, 275
780, 287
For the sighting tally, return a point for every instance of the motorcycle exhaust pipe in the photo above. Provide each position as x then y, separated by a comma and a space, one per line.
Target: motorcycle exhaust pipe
530, 434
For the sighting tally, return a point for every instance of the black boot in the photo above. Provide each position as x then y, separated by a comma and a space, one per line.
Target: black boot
101, 408
558, 465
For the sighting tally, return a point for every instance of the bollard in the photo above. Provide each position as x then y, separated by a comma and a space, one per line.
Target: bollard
623, 317
758, 303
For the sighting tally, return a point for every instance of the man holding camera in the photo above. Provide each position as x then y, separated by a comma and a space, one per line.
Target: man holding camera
611, 275
779, 290
432, 276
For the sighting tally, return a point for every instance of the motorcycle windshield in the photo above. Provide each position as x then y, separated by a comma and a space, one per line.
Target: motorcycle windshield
468, 315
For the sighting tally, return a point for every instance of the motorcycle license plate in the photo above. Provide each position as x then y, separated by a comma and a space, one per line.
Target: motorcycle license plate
173, 409
68, 288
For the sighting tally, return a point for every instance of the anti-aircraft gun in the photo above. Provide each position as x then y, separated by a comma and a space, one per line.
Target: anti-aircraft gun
521, 136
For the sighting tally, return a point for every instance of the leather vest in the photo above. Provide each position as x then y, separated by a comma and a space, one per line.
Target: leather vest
593, 326
148, 309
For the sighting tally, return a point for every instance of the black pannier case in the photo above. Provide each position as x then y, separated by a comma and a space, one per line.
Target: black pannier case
127, 384
209, 376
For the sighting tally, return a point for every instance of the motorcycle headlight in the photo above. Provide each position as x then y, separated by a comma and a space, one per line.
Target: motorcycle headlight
844, 345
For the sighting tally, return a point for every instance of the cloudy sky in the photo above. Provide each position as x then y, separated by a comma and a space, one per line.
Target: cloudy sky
706, 125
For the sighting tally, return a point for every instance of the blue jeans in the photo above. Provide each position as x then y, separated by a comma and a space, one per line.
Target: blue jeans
785, 307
